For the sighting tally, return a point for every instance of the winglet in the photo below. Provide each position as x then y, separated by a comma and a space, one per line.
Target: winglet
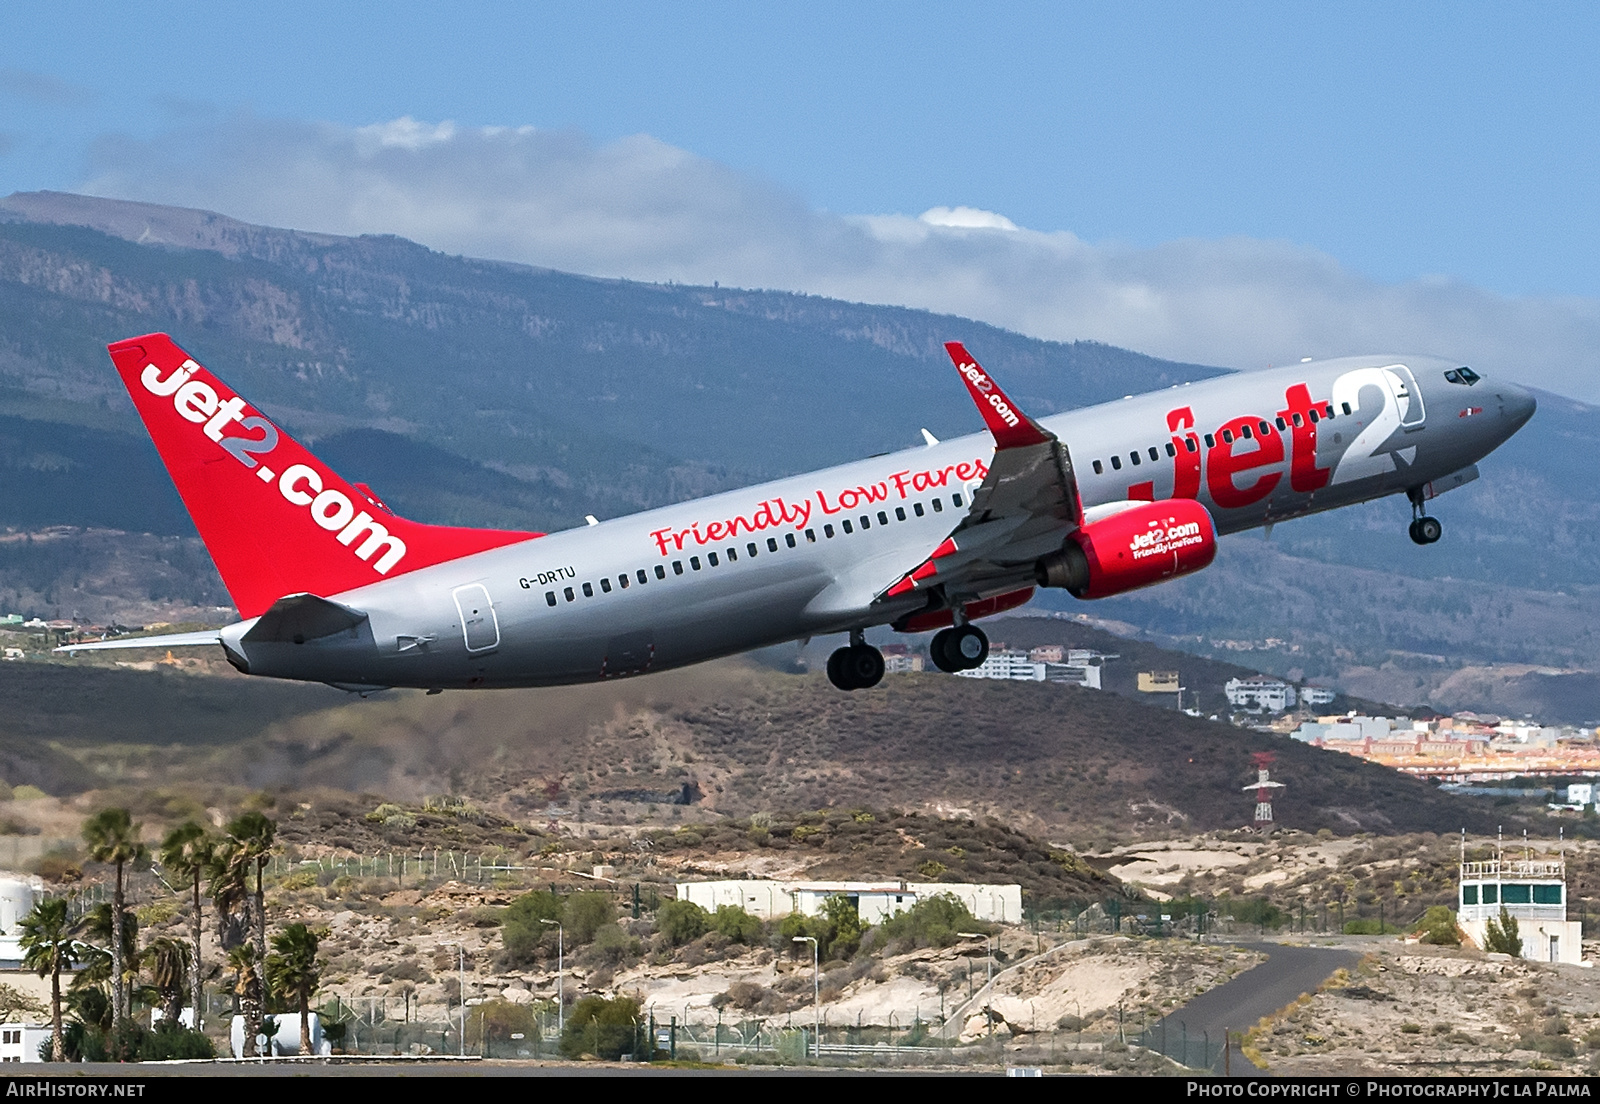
1010, 426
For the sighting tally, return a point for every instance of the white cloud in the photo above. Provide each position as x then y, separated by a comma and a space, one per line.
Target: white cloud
643, 209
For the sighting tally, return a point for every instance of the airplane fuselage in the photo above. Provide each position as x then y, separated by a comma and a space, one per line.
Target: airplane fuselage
814, 553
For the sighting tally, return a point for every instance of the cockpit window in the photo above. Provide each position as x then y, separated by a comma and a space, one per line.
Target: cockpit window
1462, 375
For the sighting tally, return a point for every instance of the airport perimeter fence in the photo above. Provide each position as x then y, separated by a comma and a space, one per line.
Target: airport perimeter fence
1199, 1051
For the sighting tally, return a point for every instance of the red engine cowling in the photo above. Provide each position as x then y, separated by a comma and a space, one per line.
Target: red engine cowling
1132, 548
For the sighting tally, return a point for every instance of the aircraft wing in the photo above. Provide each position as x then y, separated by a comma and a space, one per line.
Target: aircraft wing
1024, 508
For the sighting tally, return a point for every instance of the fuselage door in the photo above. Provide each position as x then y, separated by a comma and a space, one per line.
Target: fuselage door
479, 625
1407, 396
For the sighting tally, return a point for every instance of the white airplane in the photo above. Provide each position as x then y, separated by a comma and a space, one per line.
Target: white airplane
333, 587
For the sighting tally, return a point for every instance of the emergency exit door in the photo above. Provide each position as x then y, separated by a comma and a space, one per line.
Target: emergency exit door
479, 626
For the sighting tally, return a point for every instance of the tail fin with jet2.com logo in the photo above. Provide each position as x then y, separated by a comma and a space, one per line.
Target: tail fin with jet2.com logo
276, 520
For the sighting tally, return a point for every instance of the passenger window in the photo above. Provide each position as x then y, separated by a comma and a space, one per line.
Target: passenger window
1188, 443
605, 585
1116, 463
1298, 421
733, 555
1327, 411
588, 590
549, 597
788, 538
1133, 458
846, 524
644, 578
1244, 431
1314, 418
827, 531
1172, 450
1155, 454
956, 499
916, 508
1282, 425
1099, 468
751, 549
1227, 436
938, 507
1211, 442
1345, 407
772, 543
622, 580
568, 593
866, 523
711, 558
694, 563
900, 513
677, 567
883, 518
1266, 430
811, 536
661, 572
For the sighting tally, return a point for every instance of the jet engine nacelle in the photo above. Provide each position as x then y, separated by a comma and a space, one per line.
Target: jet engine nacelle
1142, 543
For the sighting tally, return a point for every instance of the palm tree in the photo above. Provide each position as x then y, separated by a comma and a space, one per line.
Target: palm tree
113, 837
187, 852
230, 893
293, 968
169, 966
254, 833
48, 945
242, 961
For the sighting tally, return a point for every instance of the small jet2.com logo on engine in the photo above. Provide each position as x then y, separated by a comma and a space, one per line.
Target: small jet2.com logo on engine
1165, 540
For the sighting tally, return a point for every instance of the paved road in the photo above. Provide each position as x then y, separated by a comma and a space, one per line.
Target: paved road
1238, 1004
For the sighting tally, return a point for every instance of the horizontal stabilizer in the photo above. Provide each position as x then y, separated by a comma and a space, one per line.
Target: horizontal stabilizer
171, 640
302, 617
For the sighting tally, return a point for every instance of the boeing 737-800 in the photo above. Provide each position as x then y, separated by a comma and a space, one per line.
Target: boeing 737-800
333, 587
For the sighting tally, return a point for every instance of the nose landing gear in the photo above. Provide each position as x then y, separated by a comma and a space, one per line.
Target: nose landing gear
1424, 529
858, 666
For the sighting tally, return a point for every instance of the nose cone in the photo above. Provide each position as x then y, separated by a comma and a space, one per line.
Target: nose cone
1517, 404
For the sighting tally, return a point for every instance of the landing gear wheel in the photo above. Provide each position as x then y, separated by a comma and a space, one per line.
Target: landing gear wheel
959, 649
855, 668
971, 645
1426, 530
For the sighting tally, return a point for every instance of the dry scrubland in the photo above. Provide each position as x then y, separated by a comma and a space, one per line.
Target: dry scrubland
1417, 1010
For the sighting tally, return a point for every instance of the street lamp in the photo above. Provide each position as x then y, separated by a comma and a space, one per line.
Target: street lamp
461, 986
561, 956
988, 971
816, 995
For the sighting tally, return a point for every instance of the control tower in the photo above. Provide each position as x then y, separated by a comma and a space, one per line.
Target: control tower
1534, 892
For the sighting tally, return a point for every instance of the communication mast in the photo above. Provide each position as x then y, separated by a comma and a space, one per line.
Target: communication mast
1263, 786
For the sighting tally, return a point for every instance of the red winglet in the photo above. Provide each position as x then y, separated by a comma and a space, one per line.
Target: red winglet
1010, 426
275, 519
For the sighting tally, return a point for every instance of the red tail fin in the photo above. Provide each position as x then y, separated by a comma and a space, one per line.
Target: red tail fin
275, 519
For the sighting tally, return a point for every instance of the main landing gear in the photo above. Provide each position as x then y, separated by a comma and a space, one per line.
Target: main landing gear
1424, 529
857, 666
958, 649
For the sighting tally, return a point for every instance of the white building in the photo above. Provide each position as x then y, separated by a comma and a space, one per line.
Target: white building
1317, 695
286, 1040
17, 896
1007, 664
20, 1042
874, 901
1258, 693
1534, 893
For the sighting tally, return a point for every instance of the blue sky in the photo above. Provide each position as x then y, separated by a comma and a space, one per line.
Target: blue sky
1169, 174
